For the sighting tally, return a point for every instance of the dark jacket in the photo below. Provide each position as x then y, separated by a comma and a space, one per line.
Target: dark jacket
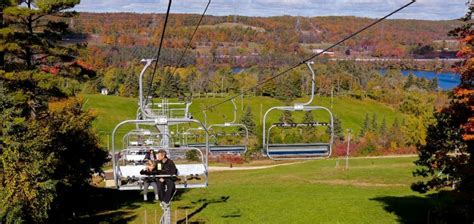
148, 155
167, 168
148, 172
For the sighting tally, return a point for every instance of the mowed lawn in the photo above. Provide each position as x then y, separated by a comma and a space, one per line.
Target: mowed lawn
111, 110
375, 190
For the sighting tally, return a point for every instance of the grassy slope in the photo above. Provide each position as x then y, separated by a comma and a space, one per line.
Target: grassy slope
111, 110
371, 191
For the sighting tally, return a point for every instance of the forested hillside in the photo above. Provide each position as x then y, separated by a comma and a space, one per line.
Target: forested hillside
246, 41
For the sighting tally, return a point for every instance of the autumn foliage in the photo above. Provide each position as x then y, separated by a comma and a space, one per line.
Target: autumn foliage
447, 159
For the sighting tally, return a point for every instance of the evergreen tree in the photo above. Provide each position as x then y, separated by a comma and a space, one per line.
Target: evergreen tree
308, 117
33, 39
422, 83
365, 126
286, 117
48, 147
3, 4
373, 123
171, 86
410, 81
383, 127
396, 135
338, 131
248, 121
130, 86
433, 86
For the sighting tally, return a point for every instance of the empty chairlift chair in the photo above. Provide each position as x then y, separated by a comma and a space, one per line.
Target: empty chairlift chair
218, 148
152, 110
312, 150
195, 137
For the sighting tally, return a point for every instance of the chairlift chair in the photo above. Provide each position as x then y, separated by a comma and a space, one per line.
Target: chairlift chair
192, 163
312, 150
136, 142
229, 149
151, 110
194, 132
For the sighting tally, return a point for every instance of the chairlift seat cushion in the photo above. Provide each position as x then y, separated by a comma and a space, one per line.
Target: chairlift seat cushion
227, 148
183, 170
313, 149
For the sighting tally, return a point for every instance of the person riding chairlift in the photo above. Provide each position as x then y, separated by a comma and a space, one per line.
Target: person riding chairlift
166, 185
150, 169
150, 155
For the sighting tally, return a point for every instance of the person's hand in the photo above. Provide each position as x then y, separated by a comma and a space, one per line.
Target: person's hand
162, 180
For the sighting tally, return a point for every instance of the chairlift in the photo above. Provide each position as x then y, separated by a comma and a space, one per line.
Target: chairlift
314, 150
191, 133
137, 142
191, 162
151, 110
218, 148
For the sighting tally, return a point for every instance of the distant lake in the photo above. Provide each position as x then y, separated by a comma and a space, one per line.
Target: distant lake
446, 80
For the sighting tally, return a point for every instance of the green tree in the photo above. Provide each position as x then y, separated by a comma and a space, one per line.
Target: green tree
411, 80
170, 86
373, 124
286, 117
383, 127
308, 117
396, 136
248, 121
3, 4
111, 79
129, 88
365, 126
433, 85
34, 37
447, 159
48, 148
338, 131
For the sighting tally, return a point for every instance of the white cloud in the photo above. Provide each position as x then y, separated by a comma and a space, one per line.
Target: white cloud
421, 9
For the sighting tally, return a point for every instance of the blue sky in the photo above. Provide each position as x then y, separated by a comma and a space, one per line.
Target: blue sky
421, 9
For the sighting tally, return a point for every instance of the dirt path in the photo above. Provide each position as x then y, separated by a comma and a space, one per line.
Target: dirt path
223, 168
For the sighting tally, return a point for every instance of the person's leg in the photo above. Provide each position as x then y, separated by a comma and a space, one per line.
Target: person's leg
170, 188
155, 188
161, 190
145, 190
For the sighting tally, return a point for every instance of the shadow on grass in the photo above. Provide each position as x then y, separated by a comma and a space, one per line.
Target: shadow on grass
413, 209
205, 203
104, 205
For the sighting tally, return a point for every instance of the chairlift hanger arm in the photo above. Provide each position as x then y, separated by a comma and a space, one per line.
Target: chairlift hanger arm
235, 111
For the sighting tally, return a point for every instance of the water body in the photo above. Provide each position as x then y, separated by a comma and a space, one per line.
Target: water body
446, 80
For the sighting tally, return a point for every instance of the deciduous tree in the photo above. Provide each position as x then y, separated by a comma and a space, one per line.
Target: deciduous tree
447, 159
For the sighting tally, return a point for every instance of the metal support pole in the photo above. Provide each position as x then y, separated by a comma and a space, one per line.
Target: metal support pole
348, 146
